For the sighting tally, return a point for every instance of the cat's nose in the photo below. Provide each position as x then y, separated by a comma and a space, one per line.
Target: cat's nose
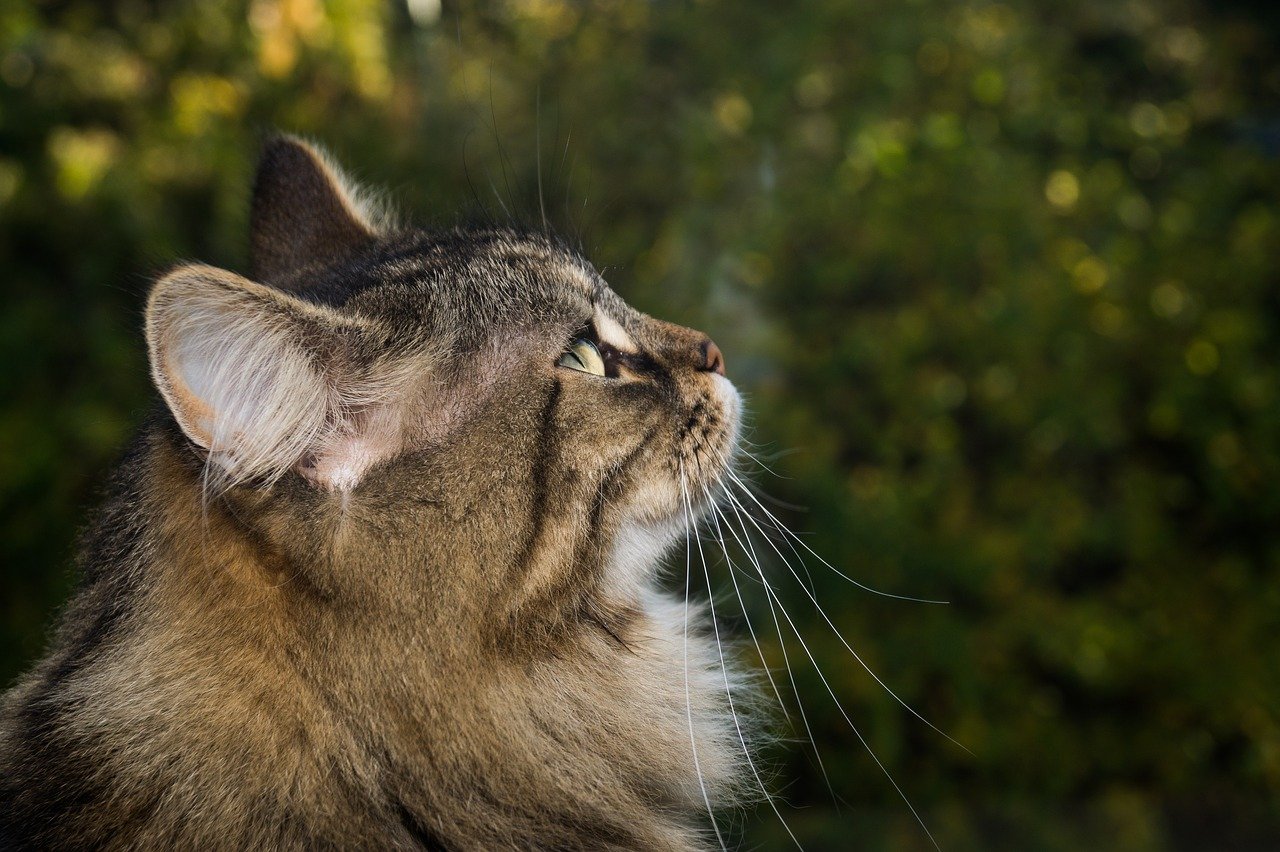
712, 358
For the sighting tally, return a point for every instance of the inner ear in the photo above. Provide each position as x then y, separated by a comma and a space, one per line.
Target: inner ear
305, 213
266, 382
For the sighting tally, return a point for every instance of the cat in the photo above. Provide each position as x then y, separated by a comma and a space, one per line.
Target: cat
381, 569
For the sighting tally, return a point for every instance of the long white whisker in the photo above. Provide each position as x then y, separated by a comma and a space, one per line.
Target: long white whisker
688, 699
745, 541
724, 670
788, 535
724, 548
846, 645
854, 727
848, 719
791, 536
758, 461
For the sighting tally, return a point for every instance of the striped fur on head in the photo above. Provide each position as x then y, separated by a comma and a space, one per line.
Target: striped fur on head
380, 570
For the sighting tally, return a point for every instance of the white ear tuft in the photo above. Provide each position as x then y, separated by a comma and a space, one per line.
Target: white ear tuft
251, 374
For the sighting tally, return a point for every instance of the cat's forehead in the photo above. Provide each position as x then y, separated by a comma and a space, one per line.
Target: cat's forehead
475, 279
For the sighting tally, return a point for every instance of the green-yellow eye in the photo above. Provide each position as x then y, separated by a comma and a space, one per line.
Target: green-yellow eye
584, 356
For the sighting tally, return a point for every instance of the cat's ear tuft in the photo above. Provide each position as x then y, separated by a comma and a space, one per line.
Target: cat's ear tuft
266, 382
305, 212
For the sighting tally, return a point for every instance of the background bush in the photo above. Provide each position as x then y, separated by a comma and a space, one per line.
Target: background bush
1004, 277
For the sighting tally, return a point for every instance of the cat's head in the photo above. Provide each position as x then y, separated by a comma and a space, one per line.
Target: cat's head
403, 412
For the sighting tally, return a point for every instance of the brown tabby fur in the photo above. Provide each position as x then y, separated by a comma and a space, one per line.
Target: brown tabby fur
427, 619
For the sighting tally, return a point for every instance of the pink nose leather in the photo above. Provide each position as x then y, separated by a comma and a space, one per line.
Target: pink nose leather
712, 358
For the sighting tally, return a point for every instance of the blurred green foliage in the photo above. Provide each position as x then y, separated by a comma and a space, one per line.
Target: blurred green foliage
1005, 276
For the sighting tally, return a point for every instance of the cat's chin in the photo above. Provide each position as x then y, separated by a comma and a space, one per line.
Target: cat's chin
666, 517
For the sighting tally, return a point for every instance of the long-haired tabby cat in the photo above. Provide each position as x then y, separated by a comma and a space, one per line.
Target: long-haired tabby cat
380, 571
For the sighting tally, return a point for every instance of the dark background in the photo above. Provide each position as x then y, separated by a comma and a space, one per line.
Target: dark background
1001, 282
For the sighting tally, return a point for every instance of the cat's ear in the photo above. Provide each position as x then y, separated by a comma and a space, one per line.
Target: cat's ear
268, 383
305, 211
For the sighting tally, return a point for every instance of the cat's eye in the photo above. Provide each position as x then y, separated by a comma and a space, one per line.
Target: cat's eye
584, 356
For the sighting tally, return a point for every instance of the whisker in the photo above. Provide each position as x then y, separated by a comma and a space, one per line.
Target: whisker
760, 462
764, 663
688, 699
724, 670
827, 685
734, 478
858, 733
498, 195
497, 139
770, 596
542, 207
849, 647
790, 536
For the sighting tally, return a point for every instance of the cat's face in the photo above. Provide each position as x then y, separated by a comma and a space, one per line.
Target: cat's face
403, 400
